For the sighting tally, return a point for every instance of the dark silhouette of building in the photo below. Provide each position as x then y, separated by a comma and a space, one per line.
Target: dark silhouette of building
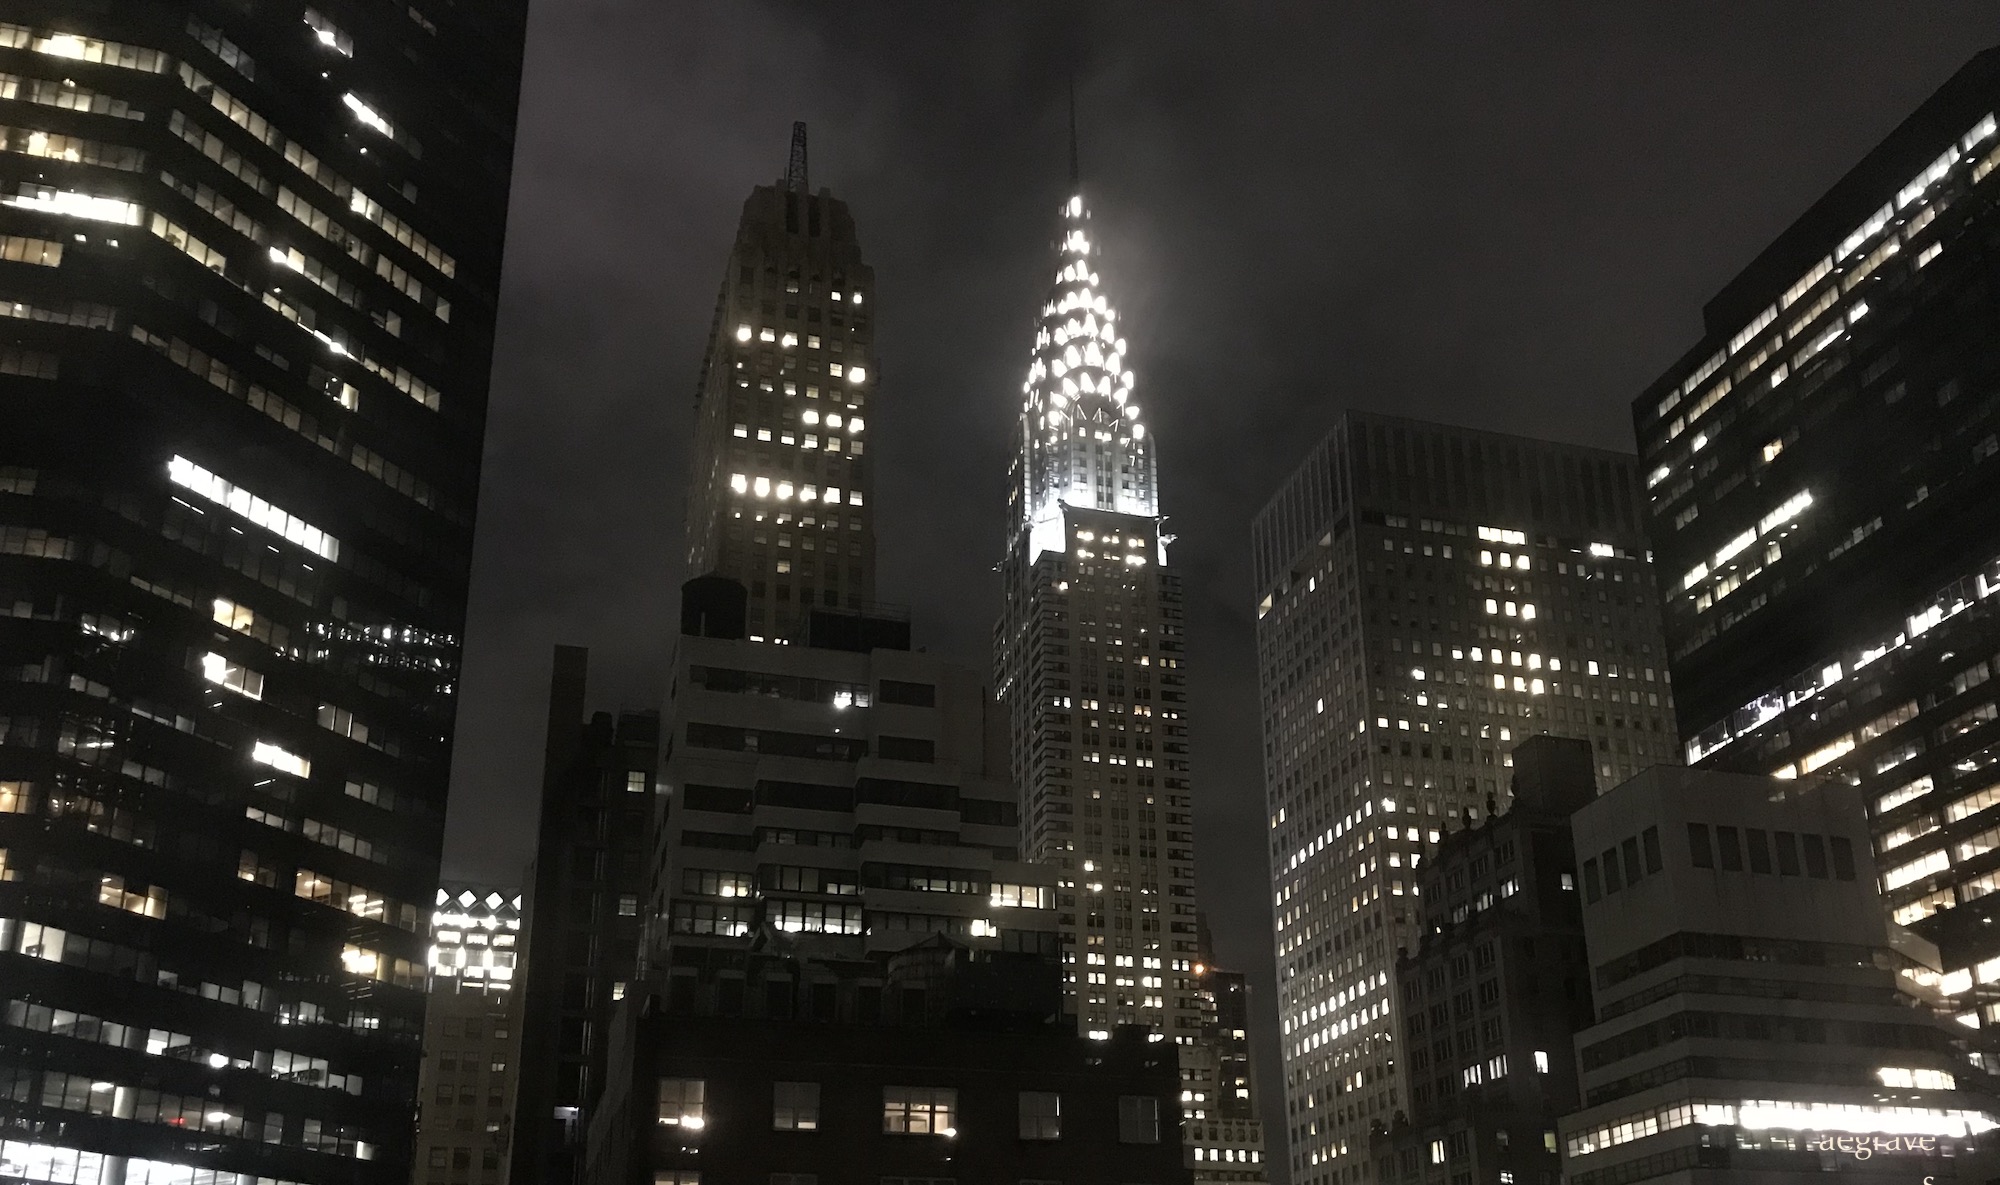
1228, 1140
249, 257
1429, 595
1497, 987
935, 1063
781, 495
1823, 470
585, 890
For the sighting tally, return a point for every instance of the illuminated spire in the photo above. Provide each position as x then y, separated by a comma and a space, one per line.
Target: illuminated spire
1081, 440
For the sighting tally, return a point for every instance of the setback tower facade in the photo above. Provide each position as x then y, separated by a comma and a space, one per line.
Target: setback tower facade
1088, 658
248, 262
781, 499
472, 1038
1429, 595
1823, 469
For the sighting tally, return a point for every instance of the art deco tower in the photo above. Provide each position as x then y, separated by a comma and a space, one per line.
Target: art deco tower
1088, 659
785, 505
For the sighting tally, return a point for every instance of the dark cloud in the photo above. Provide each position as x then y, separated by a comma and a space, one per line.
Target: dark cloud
1479, 213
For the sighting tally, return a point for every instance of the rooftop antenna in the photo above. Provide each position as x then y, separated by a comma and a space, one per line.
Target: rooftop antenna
795, 170
1075, 173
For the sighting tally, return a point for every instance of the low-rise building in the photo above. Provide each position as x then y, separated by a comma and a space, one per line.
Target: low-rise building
1758, 1015
936, 1064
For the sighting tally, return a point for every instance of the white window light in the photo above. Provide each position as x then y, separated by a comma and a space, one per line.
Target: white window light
239, 679
71, 204
190, 476
266, 753
856, 374
367, 115
329, 34
743, 333
738, 482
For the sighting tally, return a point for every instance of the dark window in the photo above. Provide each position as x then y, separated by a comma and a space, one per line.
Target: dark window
1652, 842
1041, 1115
1732, 854
1815, 848
1760, 855
1612, 883
1631, 850
1698, 850
1843, 858
728, 799
1138, 1119
1788, 852
907, 749
1592, 890
916, 695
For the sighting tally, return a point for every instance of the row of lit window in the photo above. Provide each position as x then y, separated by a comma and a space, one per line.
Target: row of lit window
906, 1111
764, 487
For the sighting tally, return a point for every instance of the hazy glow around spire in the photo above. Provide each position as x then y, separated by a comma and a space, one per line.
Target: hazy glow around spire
1081, 440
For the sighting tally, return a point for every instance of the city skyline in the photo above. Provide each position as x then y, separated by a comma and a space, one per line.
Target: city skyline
1779, 142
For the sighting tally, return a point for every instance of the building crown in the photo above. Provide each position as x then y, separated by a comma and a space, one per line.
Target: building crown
1082, 442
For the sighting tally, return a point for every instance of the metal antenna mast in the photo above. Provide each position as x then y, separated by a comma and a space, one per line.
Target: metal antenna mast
795, 171
1075, 173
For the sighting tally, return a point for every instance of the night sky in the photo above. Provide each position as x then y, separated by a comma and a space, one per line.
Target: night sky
1475, 213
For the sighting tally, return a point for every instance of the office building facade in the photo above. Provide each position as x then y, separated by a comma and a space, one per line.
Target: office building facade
838, 797
1758, 1016
472, 1038
1089, 658
1497, 987
781, 495
1428, 596
592, 865
934, 1063
250, 262
1822, 471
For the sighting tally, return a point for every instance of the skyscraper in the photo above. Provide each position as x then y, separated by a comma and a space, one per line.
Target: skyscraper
1823, 469
782, 500
1427, 596
1088, 656
599, 775
472, 1038
249, 261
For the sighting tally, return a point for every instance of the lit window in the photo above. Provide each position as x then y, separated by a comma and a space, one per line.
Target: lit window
681, 1103
71, 204
265, 753
190, 476
239, 679
367, 115
328, 34
919, 1110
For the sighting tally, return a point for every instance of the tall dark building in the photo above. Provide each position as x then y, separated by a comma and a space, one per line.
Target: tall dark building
249, 259
781, 497
1497, 987
589, 877
1429, 596
1823, 471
